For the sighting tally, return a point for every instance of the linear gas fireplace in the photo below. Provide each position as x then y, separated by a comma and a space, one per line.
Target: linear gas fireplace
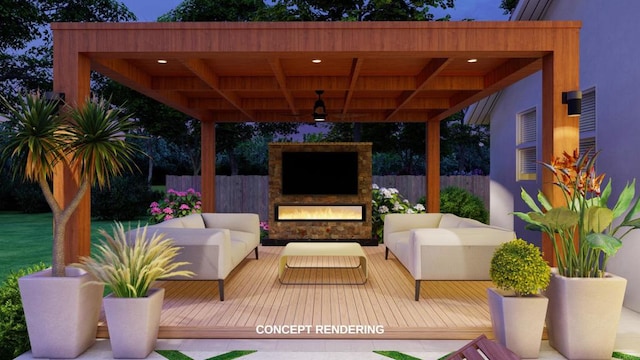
303, 212
319, 192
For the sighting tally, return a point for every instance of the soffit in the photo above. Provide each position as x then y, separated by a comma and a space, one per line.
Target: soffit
370, 72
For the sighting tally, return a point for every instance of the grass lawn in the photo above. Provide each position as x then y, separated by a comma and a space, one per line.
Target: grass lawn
26, 239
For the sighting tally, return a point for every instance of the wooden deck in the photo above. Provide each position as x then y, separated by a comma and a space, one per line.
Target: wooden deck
254, 298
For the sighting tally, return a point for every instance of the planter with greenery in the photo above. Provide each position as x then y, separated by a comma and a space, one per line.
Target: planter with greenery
128, 267
61, 311
584, 300
517, 308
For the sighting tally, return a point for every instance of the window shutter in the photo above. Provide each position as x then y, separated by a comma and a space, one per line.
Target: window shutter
588, 116
528, 127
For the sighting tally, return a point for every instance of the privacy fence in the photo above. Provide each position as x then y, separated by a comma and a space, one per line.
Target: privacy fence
250, 193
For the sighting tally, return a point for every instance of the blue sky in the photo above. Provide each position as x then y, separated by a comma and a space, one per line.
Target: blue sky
150, 10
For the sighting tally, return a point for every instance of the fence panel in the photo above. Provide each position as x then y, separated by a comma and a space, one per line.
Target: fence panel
250, 193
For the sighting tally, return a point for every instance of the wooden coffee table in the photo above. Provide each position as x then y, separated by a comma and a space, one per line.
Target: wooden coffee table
329, 249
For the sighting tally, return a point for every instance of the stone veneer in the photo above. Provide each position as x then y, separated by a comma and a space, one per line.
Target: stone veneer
319, 229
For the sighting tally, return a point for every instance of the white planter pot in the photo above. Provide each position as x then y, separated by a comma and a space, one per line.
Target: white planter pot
583, 315
133, 324
62, 313
518, 321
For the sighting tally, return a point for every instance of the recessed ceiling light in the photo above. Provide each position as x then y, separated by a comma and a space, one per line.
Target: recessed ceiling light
472, 60
316, 61
162, 61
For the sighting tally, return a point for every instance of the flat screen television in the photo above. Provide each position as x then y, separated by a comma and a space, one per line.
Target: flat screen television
320, 173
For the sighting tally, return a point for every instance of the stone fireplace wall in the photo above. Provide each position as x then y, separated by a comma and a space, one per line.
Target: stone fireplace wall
319, 229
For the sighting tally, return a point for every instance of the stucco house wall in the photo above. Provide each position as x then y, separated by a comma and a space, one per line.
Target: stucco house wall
608, 63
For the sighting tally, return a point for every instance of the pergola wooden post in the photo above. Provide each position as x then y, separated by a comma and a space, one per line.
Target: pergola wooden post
560, 132
208, 165
254, 72
432, 177
71, 77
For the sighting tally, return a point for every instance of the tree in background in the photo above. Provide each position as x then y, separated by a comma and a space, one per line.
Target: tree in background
26, 61
508, 6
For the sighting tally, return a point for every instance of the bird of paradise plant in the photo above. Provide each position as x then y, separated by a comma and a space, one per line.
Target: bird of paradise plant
585, 232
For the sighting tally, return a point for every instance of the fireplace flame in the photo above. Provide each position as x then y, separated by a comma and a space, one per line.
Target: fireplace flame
319, 212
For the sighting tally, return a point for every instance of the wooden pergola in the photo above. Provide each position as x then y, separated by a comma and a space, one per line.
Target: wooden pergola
369, 72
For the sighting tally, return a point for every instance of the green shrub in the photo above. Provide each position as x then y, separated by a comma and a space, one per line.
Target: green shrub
126, 199
458, 201
29, 198
518, 266
14, 339
388, 201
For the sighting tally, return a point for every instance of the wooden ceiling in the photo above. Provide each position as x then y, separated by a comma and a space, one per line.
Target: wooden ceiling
370, 71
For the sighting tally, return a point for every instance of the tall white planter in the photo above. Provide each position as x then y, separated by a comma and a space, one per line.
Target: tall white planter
62, 313
583, 315
133, 324
518, 321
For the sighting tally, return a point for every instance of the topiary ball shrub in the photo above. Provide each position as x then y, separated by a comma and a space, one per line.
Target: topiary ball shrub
518, 266
14, 339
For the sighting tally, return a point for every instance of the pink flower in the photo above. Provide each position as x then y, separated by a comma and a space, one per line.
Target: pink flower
168, 217
167, 210
153, 205
191, 191
184, 207
171, 191
156, 211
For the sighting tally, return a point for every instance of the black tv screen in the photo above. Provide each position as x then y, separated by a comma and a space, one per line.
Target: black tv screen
320, 173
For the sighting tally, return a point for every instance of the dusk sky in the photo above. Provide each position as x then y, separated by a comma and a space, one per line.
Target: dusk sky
150, 10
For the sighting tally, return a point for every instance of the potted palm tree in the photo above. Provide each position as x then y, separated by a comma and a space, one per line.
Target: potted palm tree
61, 310
517, 308
585, 301
128, 267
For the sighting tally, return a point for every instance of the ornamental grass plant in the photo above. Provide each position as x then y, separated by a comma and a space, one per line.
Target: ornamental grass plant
585, 231
518, 266
129, 268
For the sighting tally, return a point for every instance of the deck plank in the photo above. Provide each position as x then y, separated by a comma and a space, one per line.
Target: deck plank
254, 296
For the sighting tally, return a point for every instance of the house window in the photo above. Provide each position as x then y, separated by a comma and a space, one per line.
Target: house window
588, 121
526, 145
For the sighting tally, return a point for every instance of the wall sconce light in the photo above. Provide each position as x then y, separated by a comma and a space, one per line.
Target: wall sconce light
319, 110
573, 99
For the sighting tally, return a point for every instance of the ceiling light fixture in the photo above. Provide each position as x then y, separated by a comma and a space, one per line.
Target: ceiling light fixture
162, 61
472, 60
319, 110
316, 61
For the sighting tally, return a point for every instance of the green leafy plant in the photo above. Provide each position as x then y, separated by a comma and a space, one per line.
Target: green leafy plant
518, 266
129, 269
89, 138
582, 229
14, 338
461, 202
389, 201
